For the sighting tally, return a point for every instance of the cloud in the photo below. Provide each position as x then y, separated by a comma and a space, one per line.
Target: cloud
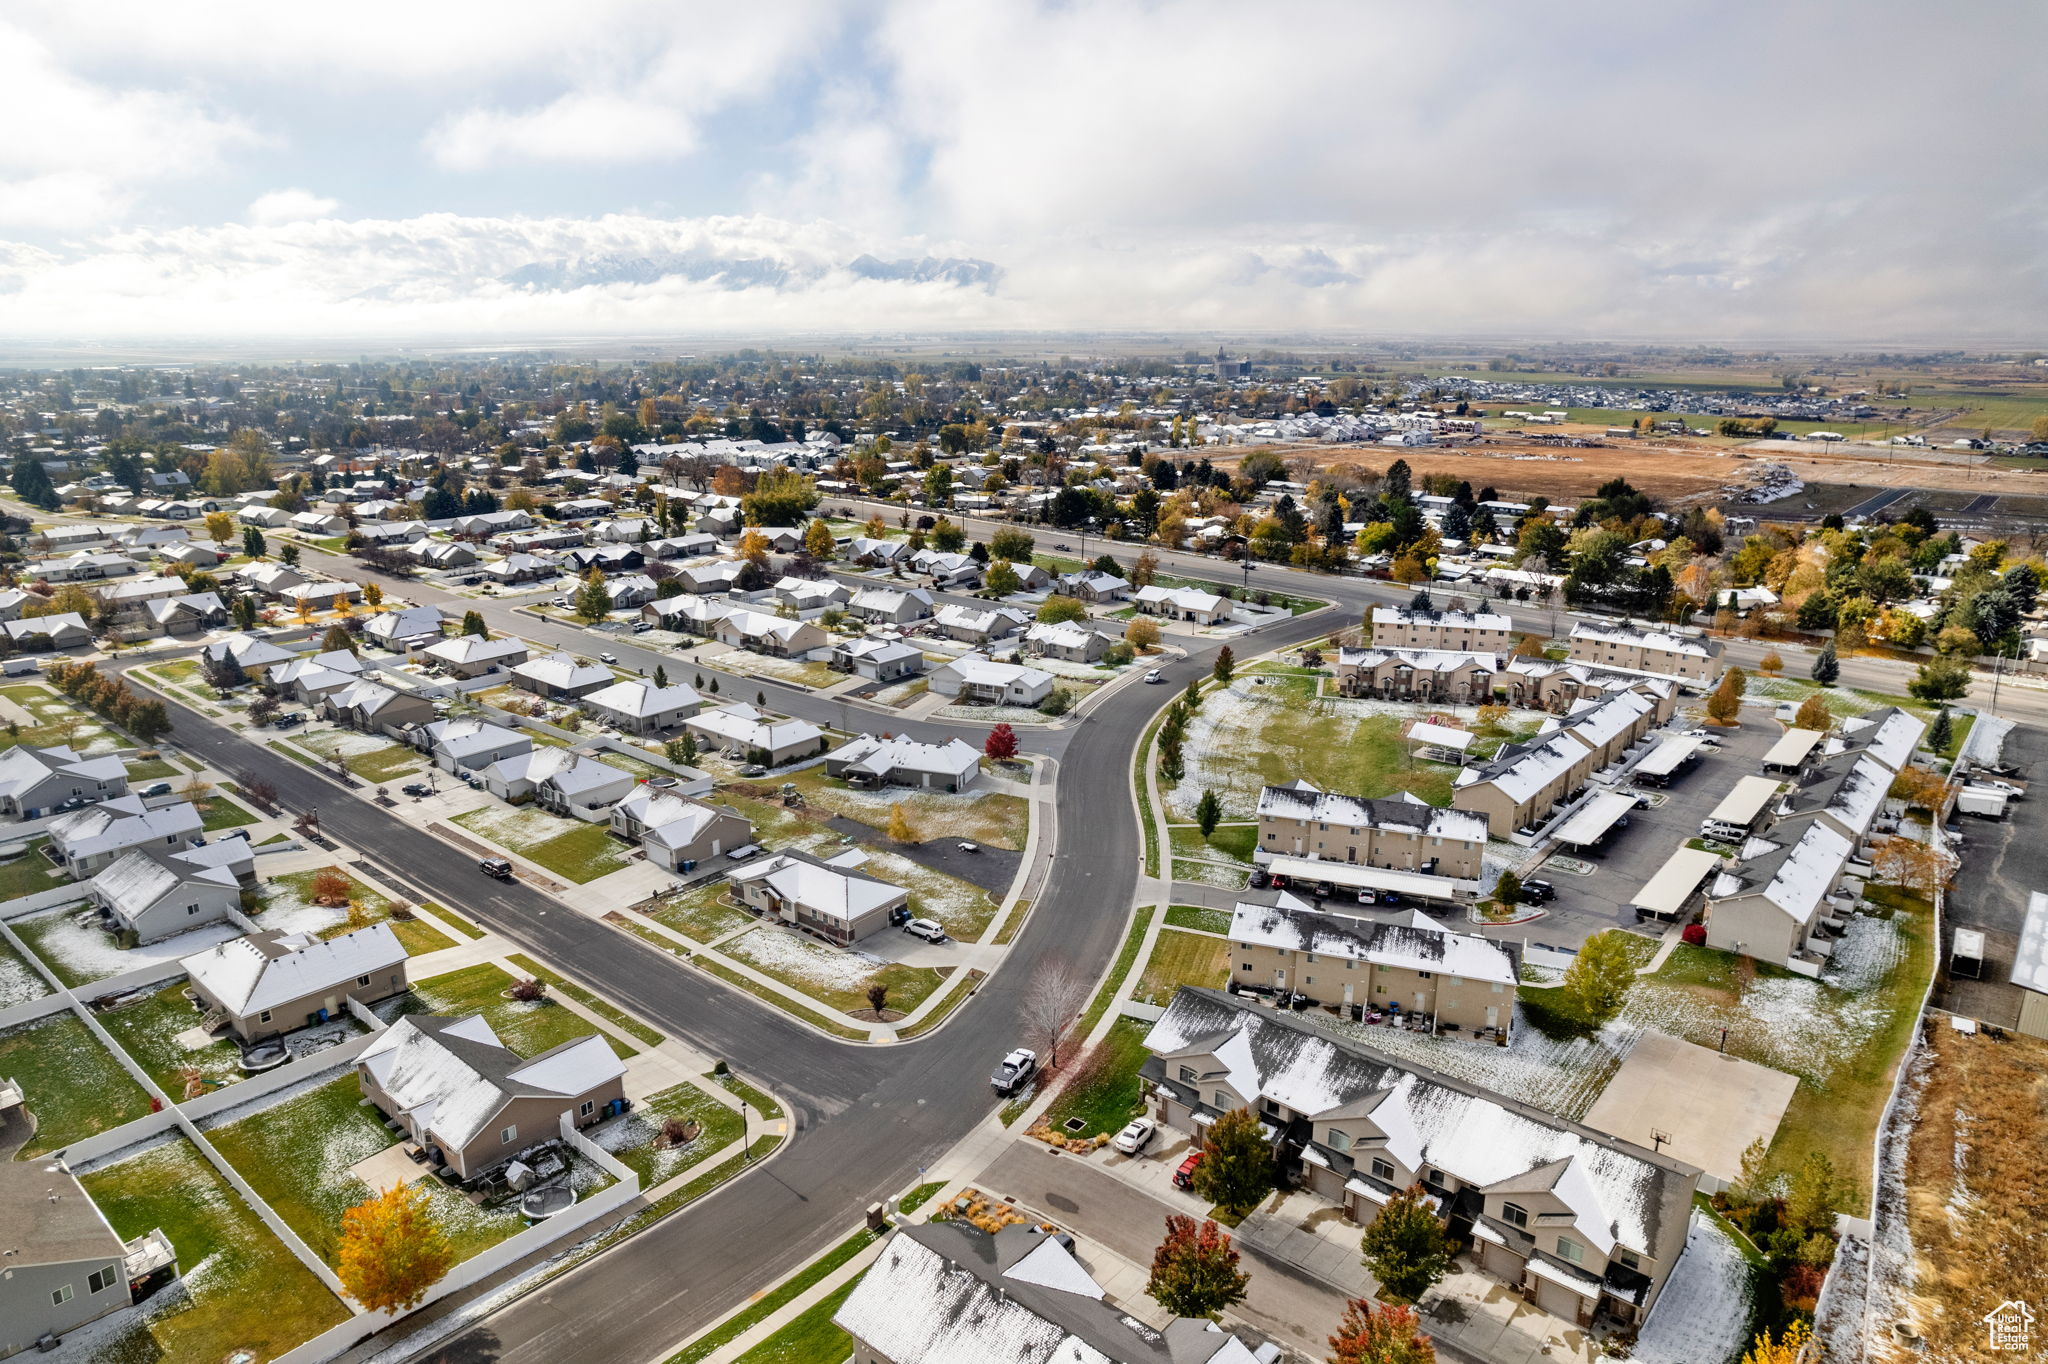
290, 206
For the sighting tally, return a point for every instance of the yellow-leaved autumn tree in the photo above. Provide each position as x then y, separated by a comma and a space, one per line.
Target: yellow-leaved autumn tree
393, 1250
900, 830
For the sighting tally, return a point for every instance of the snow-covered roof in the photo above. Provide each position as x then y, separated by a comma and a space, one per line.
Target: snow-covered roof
1383, 944
980, 671
135, 881
878, 757
1419, 660
467, 649
826, 891
1300, 800
1593, 819
123, 823
642, 699
1796, 865
466, 735
568, 772
1449, 620
1661, 641
1849, 788
1003, 619
23, 768
2030, 963
1600, 722
1793, 747
741, 723
561, 671
262, 970
453, 1075
1523, 770
1890, 734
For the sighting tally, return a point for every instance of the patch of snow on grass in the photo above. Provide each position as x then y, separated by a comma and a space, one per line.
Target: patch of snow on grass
75, 942
1702, 1316
1865, 954
18, 982
345, 743
800, 959
992, 715
1224, 876
1562, 1076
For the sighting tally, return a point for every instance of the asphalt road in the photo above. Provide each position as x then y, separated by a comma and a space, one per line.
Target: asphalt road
866, 1120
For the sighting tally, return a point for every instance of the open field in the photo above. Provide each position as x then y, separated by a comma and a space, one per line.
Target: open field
836, 977
986, 814
242, 1291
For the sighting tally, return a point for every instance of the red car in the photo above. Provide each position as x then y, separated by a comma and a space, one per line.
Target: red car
1184, 1177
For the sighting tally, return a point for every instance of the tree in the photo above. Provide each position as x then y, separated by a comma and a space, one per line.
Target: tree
1237, 1164
1194, 1271
818, 542
1001, 745
32, 482
473, 624
781, 497
373, 596
878, 996
1380, 1333
1907, 862
239, 466
289, 554
1052, 1003
1208, 812
1405, 1247
900, 830
1826, 668
947, 537
252, 543
1142, 634
1943, 733
1058, 610
337, 640
1789, 1348
1192, 697
329, 887
1508, 890
1810, 1202
1814, 714
1226, 666
753, 547
1001, 580
220, 527
1772, 664
1944, 677
593, 599
1724, 707
1012, 544
392, 1250
1598, 980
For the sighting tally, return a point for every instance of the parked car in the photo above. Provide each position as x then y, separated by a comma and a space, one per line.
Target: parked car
1135, 1136
1184, 1177
1019, 1066
290, 718
1260, 878
416, 788
1538, 892
2011, 792
753, 770
161, 788
1154, 675
497, 867
1642, 800
970, 847
607, 658
928, 929
641, 627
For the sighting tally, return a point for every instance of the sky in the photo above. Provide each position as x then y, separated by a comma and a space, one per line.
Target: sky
1863, 171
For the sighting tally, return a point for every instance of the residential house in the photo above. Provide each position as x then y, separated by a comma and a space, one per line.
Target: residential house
946, 569
521, 568
1462, 982
811, 594
442, 554
308, 680
975, 677
1184, 603
155, 897
467, 656
744, 732
870, 761
84, 566
890, 606
274, 982
1470, 632
880, 660
833, 903
559, 780
1772, 901
951, 1293
685, 615
640, 707
65, 1267
272, 580
674, 830
1554, 686
186, 614
468, 744
1399, 833
86, 842
374, 708
13, 601
1579, 1223
318, 524
255, 656
712, 578
629, 590
313, 598
192, 554
870, 553
1092, 586
771, 635
40, 781
472, 1101
1437, 676
1691, 658
1068, 641
406, 629
65, 630
561, 677
977, 625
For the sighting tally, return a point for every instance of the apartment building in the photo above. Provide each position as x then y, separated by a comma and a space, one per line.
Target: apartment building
1694, 658
1298, 820
1471, 632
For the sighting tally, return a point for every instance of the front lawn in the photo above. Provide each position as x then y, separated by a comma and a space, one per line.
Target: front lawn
73, 1085
217, 812
604, 1008
527, 1028
633, 1137
288, 905
1182, 959
371, 757
810, 1337
1233, 842
296, 1155
701, 915
836, 977
244, 1294
1199, 917
29, 874
1103, 1090
570, 848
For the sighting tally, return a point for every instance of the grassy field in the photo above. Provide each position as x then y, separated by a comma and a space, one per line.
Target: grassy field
1272, 728
570, 848
1103, 1090
810, 1337
373, 759
243, 1290
147, 1032
605, 1009
834, 977
631, 1137
527, 1028
57, 722
452, 919
1199, 917
74, 1086
30, 874
19, 982
701, 914
1106, 993
217, 812
1182, 959
1234, 842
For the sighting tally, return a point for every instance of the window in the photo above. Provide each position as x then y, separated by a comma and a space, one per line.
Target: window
585, 1109
1311, 958
509, 1135
1436, 1177
1248, 966
362, 980
1514, 1214
191, 909
1628, 1258
1187, 1073
101, 1280
61, 1296
1571, 1250
263, 1017
1339, 1140
1422, 975
1308, 980
1222, 1100
1383, 1169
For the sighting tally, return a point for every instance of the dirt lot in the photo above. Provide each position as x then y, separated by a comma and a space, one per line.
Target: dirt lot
1671, 470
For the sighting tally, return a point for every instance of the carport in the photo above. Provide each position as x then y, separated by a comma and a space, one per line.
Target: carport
1664, 896
1741, 806
1672, 758
1792, 750
1595, 819
1351, 876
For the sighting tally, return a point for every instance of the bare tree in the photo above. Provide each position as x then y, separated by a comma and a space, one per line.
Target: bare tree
1057, 995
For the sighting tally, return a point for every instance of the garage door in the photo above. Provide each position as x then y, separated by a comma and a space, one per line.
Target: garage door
1556, 1299
1501, 1262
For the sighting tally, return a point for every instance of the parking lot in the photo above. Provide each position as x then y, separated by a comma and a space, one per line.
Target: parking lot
1593, 903
2002, 863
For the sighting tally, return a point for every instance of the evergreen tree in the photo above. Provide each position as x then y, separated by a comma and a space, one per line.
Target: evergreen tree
1226, 666
593, 599
473, 624
32, 482
253, 544
1826, 667
1208, 812
1943, 732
